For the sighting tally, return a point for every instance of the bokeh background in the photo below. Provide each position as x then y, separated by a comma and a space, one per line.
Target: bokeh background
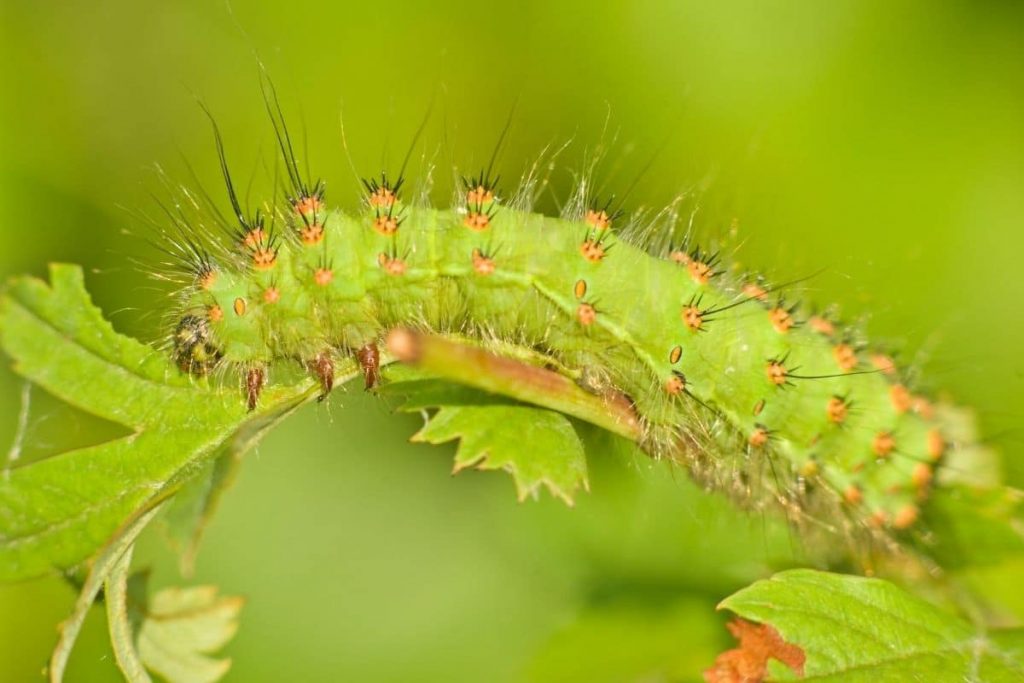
879, 142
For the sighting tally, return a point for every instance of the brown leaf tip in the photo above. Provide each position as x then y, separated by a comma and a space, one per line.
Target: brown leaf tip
749, 662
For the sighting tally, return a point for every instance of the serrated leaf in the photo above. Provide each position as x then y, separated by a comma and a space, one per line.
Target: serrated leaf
537, 446
57, 512
182, 627
855, 629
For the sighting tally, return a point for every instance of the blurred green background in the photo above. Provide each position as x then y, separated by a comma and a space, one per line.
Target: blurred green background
880, 141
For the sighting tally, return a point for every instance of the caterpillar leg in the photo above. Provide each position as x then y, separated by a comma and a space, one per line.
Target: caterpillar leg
369, 361
255, 378
323, 367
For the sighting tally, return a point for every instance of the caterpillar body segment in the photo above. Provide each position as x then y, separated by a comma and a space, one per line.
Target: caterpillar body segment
703, 360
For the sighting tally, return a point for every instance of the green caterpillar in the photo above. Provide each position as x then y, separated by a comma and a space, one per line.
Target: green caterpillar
724, 374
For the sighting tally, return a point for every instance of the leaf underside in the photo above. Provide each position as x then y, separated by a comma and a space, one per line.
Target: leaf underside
854, 629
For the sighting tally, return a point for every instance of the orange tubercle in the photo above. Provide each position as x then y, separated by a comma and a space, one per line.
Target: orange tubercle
312, 234
846, 357
883, 444
598, 219
476, 220
700, 272
692, 318
385, 225
776, 372
592, 251
323, 276
586, 314
900, 398
837, 410
676, 384
781, 320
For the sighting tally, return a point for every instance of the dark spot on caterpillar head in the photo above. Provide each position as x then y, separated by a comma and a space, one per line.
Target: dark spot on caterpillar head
240, 307
271, 295
386, 225
692, 317
580, 289
194, 352
781, 319
837, 409
323, 276
936, 444
600, 220
846, 357
482, 264
822, 325
586, 314
905, 516
592, 250
759, 437
758, 407
675, 354
311, 234
676, 384
900, 398
883, 444
215, 314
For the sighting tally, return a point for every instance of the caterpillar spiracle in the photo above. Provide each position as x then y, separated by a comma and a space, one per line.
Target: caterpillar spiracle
723, 371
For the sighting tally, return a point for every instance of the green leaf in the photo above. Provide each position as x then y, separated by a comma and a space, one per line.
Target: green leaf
189, 512
182, 627
105, 562
119, 621
170, 633
855, 629
57, 512
537, 446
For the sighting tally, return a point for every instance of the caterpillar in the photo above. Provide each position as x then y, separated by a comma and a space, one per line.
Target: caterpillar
725, 372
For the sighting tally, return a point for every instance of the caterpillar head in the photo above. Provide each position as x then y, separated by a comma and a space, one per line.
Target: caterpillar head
194, 351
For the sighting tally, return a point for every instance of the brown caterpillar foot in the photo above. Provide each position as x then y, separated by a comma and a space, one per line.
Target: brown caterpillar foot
323, 367
369, 361
254, 381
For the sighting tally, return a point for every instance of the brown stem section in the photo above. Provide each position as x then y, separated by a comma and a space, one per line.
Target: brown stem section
475, 367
